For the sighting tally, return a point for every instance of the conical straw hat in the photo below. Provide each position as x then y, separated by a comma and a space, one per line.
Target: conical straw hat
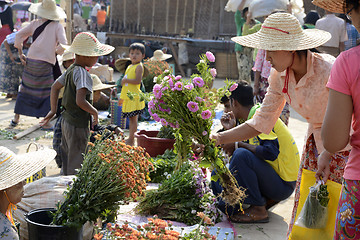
335, 6
282, 31
86, 44
48, 9
98, 85
16, 168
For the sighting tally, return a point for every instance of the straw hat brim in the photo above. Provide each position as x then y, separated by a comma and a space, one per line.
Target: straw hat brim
335, 6
310, 38
122, 63
37, 9
163, 57
84, 50
24, 166
102, 87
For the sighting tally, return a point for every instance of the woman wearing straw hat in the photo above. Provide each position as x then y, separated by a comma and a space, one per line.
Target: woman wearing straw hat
39, 72
342, 112
299, 77
14, 170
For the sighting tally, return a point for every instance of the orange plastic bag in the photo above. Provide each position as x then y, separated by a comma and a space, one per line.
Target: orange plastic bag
301, 233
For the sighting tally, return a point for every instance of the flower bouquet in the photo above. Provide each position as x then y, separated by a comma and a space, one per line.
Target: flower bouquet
188, 106
111, 172
184, 193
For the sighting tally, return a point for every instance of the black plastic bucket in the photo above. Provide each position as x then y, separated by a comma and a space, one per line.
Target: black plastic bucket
39, 227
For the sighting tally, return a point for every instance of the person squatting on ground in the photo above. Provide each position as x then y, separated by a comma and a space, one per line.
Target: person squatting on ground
78, 110
266, 165
14, 170
40, 69
342, 113
131, 83
299, 77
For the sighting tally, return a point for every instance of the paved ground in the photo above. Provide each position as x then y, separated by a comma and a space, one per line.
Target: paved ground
279, 215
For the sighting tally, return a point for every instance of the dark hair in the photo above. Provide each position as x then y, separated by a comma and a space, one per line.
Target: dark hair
243, 94
245, 10
138, 46
103, 8
224, 99
312, 17
350, 3
343, 16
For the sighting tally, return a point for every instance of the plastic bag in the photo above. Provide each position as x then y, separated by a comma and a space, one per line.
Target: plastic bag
232, 5
260, 8
314, 214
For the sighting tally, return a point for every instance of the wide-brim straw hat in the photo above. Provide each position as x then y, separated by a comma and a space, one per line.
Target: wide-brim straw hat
122, 63
48, 9
98, 85
16, 168
66, 56
86, 44
335, 6
159, 55
282, 31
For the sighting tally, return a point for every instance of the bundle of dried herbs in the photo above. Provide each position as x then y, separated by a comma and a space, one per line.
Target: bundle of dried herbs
314, 213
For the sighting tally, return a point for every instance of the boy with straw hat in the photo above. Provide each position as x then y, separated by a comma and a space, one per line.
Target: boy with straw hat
298, 77
14, 170
78, 110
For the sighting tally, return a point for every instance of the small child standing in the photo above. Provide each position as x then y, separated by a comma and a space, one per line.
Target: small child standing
78, 109
131, 83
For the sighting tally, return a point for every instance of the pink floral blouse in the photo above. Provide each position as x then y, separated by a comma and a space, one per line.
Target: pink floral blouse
308, 97
261, 65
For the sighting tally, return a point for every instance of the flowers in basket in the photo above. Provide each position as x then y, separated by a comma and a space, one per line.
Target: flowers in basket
181, 196
111, 172
188, 105
155, 68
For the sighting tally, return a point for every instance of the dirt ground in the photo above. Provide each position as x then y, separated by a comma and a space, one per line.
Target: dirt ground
18, 146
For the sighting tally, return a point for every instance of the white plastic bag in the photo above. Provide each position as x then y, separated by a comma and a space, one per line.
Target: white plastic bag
232, 5
314, 213
260, 8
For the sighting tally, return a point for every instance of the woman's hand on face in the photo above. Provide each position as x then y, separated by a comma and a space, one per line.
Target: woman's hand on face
323, 171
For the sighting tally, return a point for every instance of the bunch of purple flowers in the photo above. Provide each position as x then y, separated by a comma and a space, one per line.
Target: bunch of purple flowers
188, 106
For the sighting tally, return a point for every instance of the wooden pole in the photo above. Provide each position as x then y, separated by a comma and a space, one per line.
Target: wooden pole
167, 16
210, 20
176, 58
184, 16
111, 14
176, 15
70, 17
138, 15
221, 17
153, 17
193, 17
27, 131
124, 14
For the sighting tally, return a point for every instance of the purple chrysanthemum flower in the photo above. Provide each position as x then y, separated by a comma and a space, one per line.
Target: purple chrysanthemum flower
178, 86
177, 78
171, 83
151, 104
204, 133
199, 99
210, 56
192, 106
233, 87
164, 89
206, 114
189, 86
213, 72
157, 91
163, 122
199, 82
156, 117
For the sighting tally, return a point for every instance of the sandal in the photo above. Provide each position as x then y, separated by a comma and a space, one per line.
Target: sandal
250, 216
13, 123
